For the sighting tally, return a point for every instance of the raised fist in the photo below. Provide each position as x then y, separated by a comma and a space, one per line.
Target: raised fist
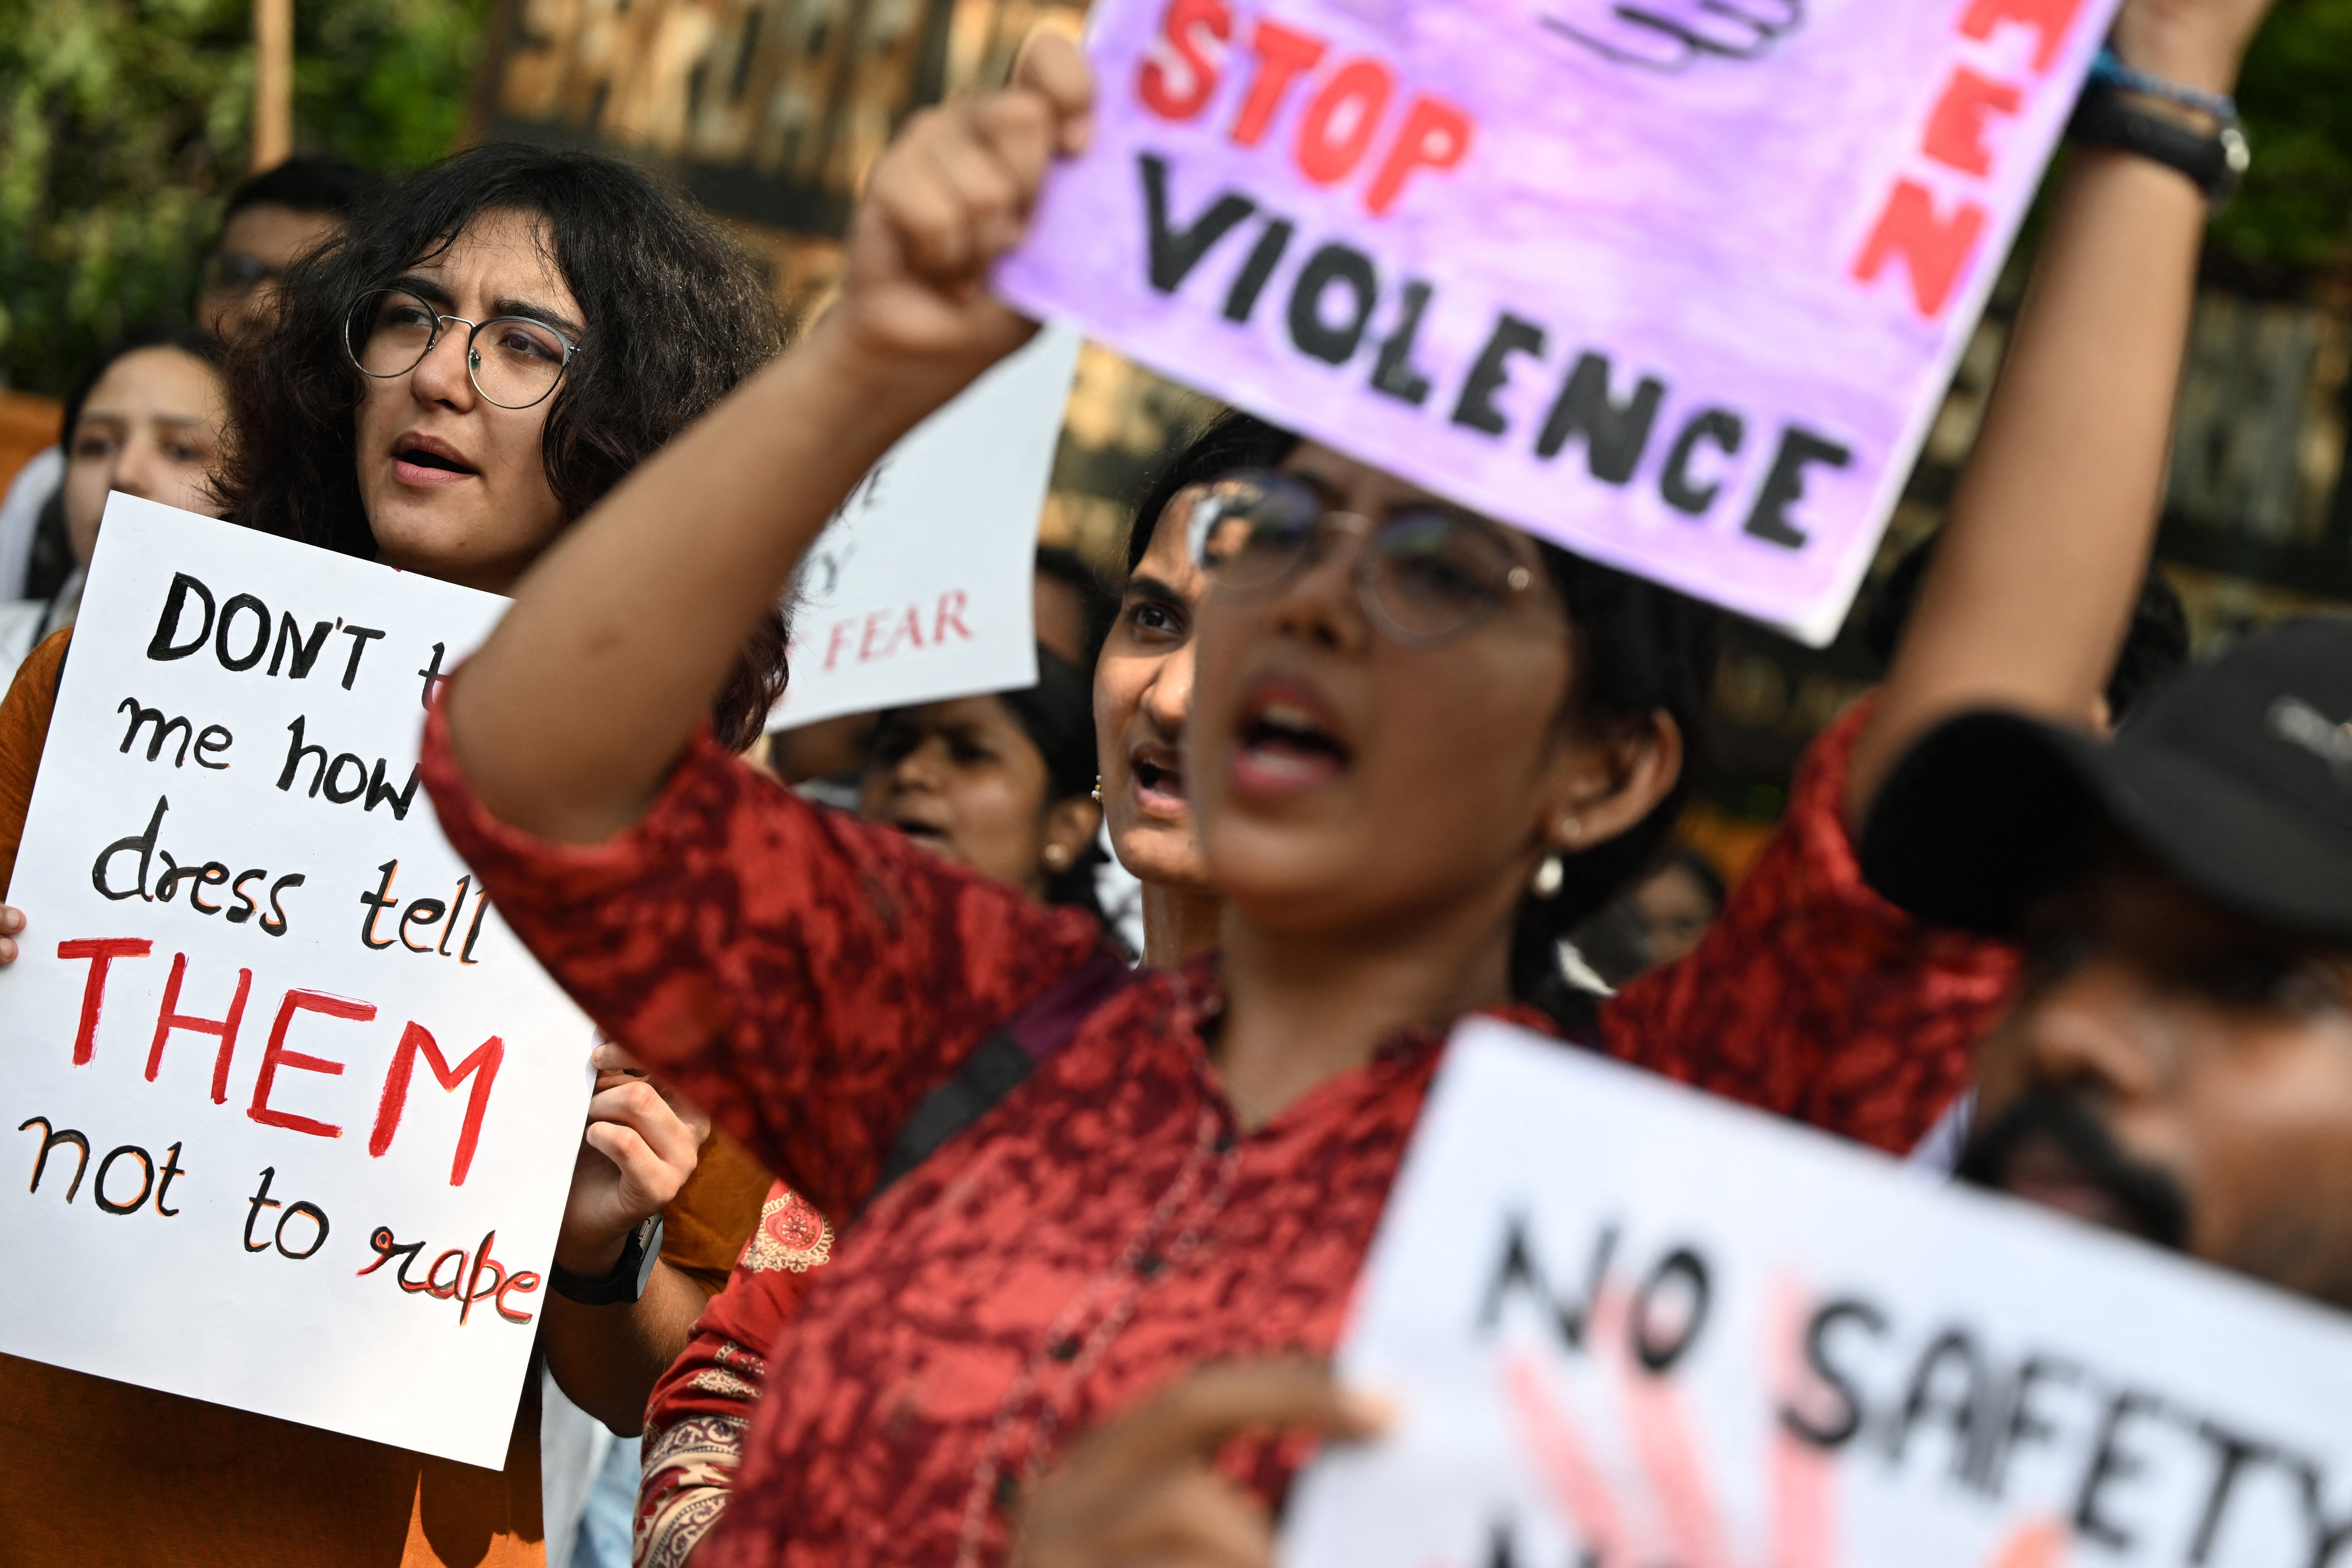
1669, 35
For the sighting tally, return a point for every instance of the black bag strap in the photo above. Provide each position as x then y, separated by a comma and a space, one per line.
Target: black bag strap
1001, 1061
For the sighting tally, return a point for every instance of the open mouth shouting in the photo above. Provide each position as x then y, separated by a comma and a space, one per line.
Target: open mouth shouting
419, 460
930, 835
1288, 742
1159, 775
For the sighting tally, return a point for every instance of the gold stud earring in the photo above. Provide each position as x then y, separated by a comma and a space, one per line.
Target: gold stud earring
1571, 828
1057, 856
1548, 877
1097, 789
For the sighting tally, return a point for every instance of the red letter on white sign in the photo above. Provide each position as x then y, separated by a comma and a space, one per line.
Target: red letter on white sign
483, 1066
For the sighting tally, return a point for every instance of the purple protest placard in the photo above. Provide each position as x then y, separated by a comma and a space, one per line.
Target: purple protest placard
1676, 283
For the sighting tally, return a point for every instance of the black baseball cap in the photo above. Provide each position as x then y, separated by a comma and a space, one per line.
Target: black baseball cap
2237, 779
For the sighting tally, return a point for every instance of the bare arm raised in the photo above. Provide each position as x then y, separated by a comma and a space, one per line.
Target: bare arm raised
569, 719
2052, 524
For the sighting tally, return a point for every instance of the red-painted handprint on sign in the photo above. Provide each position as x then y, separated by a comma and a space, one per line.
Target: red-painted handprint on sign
1624, 1326
1672, 1514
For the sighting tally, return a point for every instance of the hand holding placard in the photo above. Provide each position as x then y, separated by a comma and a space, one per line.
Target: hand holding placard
1677, 287
273, 1059
640, 1149
1145, 1483
890, 607
1627, 1323
947, 202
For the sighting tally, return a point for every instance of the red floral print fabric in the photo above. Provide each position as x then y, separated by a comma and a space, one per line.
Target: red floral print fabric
1811, 996
1108, 1225
700, 1411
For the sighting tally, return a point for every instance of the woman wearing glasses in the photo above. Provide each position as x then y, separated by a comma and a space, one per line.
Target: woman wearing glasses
445, 388
1406, 725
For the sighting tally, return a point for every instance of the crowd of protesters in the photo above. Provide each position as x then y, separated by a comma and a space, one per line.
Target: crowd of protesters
922, 1217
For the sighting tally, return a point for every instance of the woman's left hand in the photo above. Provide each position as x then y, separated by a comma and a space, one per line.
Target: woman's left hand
640, 1147
12, 921
1143, 1489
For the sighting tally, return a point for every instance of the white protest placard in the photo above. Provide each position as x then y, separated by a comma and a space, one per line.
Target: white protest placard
920, 589
1627, 1326
290, 1114
1677, 284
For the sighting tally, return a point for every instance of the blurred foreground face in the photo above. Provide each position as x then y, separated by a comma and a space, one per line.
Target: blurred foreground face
1344, 784
1143, 685
2181, 1073
257, 246
964, 779
151, 428
455, 486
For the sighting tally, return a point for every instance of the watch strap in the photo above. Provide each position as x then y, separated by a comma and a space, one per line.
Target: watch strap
2215, 162
627, 1280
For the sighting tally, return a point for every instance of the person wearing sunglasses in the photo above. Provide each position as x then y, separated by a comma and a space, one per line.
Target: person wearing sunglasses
1408, 729
445, 387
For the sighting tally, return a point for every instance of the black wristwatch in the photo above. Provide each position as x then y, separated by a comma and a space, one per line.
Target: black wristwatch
626, 1282
2215, 162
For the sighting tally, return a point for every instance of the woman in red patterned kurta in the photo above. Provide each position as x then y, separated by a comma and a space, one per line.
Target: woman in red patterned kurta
1195, 1176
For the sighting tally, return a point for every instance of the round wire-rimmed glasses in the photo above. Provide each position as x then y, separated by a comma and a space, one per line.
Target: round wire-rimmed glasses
514, 361
1426, 575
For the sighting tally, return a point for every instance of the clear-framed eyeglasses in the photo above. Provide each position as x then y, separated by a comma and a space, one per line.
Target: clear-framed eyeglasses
1427, 575
514, 361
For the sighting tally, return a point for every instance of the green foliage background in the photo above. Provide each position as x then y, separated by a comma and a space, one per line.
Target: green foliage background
124, 123
2295, 211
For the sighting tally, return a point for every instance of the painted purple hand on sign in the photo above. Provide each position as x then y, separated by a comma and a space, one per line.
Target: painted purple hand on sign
1675, 283
1674, 34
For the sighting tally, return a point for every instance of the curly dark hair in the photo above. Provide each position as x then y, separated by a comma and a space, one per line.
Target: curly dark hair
676, 317
1640, 649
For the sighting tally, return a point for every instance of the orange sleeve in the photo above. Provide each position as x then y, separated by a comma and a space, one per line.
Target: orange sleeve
24, 730
705, 1226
